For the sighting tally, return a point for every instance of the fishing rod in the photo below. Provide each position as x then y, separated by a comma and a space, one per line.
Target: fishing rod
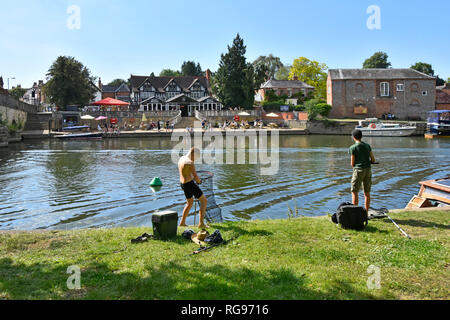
401, 230
386, 211
202, 249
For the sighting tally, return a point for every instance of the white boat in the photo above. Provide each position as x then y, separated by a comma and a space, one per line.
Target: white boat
376, 128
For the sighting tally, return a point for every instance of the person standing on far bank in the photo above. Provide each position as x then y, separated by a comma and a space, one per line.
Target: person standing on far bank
362, 159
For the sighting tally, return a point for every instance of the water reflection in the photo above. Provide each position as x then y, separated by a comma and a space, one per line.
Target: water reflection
65, 185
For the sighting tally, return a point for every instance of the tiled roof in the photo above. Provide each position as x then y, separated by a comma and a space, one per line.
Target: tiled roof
161, 82
297, 84
383, 74
122, 88
442, 97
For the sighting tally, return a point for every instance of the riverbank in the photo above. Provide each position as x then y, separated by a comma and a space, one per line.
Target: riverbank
302, 258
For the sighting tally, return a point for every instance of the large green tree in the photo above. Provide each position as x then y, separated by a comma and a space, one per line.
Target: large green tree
236, 80
17, 92
190, 68
271, 63
169, 73
117, 82
283, 73
428, 69
379, 60
69, 83
313, 73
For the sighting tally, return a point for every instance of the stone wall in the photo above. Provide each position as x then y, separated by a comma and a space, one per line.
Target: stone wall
408, 104
8, 114
340, 127
3, 136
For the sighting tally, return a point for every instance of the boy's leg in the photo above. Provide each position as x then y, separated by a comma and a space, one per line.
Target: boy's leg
367, 182
186, 211
355, 198
203, 204
356, 186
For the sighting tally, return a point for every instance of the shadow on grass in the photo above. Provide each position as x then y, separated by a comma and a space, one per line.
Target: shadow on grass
171, 281
234, 228
419, 223
372, 229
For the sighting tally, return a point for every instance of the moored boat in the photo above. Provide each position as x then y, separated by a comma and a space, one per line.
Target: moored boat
438, 125
437, 191
377, 128
81, 136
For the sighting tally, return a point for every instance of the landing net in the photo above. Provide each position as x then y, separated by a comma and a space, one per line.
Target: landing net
213, 211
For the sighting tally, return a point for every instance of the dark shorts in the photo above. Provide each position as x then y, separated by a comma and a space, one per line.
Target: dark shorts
191, 190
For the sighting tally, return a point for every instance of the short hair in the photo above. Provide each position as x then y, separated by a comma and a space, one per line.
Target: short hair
357, 134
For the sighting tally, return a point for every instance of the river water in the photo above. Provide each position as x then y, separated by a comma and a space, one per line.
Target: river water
91, 184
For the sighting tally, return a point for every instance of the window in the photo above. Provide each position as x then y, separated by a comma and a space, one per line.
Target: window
384, 89
400, 87
290, 93
425, 93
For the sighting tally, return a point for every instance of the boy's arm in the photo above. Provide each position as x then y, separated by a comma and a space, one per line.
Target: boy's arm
194, 174
353, 161
372, 158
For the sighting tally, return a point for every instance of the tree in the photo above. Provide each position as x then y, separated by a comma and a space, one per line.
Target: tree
69, 83
189, 68
428, 69
283, 73
17, 92
236, 80
169, 73
378, 60
424, 68
315, 107
116, 82
311, 72
270, 63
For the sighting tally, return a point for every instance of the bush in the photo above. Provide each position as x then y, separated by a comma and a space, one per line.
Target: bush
299, 108
316, 107
273, 105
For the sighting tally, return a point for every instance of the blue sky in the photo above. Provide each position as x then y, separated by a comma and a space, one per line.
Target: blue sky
119, 37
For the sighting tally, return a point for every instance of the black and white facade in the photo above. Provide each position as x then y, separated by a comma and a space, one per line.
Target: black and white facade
173, 93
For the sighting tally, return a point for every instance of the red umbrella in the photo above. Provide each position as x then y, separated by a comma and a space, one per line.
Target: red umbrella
110, 102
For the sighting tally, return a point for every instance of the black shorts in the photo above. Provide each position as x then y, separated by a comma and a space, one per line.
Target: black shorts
191, 190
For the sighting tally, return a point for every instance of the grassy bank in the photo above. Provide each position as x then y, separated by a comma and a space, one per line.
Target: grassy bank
300, 258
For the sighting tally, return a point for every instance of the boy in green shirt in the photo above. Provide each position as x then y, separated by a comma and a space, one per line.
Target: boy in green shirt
362, 159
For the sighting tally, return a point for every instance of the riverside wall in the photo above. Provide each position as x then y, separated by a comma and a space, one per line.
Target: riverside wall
324, 127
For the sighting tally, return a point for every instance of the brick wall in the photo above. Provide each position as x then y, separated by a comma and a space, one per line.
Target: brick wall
345, 95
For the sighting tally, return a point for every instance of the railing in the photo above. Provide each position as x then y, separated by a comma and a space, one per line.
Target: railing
132, 114
176, 119
225, 113
199, 116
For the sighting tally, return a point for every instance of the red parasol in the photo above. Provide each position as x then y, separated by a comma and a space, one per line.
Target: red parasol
110, 102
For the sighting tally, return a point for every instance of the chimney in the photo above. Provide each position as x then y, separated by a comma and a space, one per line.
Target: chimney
208, 74
100, 83
295, 78
1, 82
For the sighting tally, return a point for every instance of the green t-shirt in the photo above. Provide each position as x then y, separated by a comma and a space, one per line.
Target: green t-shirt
361, 151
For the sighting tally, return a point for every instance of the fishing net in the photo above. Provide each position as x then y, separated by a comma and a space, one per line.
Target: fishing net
213, 211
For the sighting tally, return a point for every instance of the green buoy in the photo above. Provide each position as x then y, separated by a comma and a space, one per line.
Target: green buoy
156, 182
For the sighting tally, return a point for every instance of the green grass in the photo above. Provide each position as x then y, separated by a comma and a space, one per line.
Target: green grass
302, 258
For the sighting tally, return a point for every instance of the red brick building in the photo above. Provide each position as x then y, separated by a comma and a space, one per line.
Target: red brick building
443, 97
362, 93
121, 92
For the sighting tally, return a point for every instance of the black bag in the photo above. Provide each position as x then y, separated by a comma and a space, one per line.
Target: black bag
215, 238
350, 217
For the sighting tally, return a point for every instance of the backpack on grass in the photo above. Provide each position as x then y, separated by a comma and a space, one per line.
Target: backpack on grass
350, 216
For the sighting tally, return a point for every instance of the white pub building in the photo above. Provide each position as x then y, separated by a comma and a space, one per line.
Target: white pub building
186, 94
